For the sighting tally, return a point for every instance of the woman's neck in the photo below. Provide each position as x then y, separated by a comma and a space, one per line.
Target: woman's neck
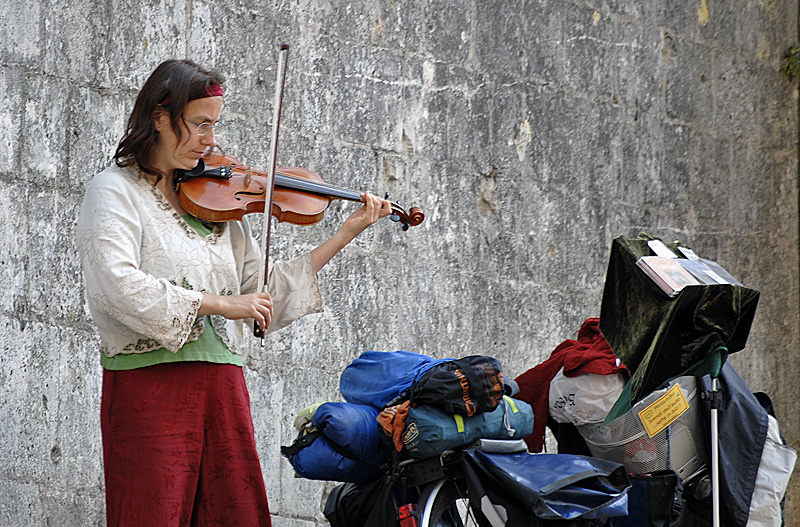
168, 190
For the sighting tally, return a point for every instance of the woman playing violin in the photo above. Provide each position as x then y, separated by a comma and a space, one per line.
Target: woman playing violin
170, 295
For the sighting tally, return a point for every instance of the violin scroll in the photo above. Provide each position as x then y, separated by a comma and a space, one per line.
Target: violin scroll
412, 218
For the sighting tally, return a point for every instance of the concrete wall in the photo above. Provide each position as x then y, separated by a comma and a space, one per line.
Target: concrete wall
531, 132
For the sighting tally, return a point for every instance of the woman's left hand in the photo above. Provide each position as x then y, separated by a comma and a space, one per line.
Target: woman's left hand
371, 211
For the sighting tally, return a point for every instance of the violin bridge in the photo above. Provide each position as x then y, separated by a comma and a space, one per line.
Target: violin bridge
248, 177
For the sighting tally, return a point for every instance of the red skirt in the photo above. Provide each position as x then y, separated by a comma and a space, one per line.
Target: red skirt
179, 447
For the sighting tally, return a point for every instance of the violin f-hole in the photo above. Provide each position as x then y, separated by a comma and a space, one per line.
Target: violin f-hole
249, 193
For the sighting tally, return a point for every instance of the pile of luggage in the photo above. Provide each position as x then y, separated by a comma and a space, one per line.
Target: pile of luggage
401, 405
404, 404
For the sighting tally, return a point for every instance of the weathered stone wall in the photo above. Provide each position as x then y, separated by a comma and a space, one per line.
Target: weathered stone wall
531, 132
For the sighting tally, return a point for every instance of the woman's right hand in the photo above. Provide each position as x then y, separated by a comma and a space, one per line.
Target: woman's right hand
257, 306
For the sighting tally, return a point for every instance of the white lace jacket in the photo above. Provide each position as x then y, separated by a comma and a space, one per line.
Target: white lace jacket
145, 268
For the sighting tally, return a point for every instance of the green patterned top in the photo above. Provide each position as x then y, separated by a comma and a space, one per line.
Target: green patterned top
208, 347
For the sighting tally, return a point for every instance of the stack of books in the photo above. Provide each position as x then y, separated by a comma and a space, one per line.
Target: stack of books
672, 272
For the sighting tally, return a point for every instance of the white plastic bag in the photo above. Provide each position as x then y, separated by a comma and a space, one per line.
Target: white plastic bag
584, 399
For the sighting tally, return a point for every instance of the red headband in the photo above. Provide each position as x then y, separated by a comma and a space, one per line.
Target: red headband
215, 90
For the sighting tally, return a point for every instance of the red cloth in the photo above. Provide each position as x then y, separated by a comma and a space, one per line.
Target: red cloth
589, 354
179, 448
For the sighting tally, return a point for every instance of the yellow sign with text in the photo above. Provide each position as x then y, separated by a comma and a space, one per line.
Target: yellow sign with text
664, 411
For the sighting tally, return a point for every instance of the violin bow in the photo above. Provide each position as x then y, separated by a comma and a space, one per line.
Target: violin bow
263, 272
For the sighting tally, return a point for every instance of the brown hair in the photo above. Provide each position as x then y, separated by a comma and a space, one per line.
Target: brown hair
171, 85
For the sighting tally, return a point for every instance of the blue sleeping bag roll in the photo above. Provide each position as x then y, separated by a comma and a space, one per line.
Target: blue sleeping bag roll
377, 378
430, 431
347, 447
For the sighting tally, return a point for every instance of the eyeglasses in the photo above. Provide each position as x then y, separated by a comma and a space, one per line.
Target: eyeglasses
204, 128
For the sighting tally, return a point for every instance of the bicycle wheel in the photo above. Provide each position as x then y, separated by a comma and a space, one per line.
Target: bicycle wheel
444, 505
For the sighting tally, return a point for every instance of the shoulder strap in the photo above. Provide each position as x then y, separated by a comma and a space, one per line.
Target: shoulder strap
300, 443
476, 386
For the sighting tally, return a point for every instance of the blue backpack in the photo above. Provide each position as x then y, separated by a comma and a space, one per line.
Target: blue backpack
378, 378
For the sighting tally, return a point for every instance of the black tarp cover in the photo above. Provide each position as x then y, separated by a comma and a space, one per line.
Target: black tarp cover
659, 338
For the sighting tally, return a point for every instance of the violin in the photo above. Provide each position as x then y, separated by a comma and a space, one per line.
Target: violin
221, 189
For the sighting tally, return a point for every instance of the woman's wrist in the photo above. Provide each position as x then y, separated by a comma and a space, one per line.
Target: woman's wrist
328, 249
211, 305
